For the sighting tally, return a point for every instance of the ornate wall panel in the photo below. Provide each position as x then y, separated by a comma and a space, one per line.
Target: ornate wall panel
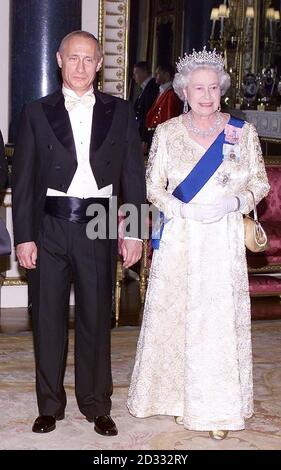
113, 35
166, 31
268, 123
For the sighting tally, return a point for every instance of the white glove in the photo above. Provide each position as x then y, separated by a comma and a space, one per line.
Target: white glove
208, 213
219, 209
187, 211
198, 212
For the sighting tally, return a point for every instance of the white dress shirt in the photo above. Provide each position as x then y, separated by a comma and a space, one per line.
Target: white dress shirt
83, 184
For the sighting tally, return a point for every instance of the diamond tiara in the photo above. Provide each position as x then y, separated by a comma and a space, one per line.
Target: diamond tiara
201, 57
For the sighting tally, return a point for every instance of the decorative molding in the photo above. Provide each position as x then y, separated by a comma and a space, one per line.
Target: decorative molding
113, 36
272, 160
166, 27
268, 123
272, 268
14, 281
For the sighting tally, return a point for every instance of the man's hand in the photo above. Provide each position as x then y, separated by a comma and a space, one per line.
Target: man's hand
131, 251
27, 254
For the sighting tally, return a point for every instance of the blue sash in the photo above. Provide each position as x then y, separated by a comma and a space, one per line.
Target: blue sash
198, 177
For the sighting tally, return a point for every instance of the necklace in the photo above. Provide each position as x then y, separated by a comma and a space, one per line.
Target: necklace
207, 132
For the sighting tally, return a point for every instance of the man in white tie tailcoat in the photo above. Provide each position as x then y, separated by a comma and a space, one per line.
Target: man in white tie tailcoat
75, 147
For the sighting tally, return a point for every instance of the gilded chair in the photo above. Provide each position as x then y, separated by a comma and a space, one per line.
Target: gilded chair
118, 288
143, 278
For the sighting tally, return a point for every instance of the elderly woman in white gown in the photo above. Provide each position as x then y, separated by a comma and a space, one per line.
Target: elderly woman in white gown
194, 358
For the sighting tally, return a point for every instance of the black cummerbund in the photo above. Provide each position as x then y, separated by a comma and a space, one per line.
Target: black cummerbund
73, 209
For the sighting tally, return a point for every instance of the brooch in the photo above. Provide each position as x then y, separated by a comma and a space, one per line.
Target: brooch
223, 178
231, 153
232, 134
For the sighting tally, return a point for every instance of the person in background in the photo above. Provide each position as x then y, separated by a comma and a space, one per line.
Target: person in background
167, 104
148, 93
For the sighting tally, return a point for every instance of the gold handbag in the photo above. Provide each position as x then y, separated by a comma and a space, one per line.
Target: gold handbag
255, 236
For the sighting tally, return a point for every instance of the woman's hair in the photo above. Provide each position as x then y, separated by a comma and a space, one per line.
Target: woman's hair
182, 78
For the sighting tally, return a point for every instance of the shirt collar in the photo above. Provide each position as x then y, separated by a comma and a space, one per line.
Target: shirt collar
164, 87
143, 85
69, 92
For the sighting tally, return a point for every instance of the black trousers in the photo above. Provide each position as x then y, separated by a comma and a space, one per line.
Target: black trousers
65, 254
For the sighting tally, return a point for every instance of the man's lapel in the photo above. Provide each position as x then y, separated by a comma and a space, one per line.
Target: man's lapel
59, 121
102, 119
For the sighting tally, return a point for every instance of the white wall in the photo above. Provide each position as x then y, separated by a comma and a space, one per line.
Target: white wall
5, 69
90, 16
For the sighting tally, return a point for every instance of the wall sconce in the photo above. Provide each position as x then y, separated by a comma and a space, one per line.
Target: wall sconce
272, 16
223, 10
222, 14
276, 15
234, 39
214, 17
270, 13
250, 14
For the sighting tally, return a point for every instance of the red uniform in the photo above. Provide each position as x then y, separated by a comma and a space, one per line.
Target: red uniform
166, 106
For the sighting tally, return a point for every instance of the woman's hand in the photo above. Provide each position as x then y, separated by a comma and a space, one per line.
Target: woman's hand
222, 208
208, 213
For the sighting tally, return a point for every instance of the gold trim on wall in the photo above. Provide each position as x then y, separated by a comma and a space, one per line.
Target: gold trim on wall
160, 15
256, 34
272, 268
14, 281
114, 18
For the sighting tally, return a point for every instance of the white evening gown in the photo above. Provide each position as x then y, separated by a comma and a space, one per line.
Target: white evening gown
194, 355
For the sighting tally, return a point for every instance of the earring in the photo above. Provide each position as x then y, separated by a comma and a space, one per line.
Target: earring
185, 107
219, 109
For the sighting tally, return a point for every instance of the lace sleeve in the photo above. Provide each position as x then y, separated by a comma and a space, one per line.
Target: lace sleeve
157, 176
258, 182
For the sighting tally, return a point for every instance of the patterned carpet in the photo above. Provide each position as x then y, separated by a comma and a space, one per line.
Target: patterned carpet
18, 402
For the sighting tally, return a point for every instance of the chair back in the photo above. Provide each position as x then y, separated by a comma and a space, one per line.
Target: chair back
269, 209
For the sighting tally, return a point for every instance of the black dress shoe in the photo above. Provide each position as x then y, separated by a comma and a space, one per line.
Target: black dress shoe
46, 423
104, 425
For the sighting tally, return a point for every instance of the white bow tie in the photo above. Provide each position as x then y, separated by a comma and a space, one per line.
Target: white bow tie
86, 100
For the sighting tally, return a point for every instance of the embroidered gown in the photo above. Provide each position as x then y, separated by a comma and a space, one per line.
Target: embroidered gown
194, 355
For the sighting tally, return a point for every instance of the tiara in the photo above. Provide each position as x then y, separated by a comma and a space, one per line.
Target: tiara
201, 57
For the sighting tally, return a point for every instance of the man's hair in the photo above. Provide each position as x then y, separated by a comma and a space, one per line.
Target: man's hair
82, 34
167, 68
143, 66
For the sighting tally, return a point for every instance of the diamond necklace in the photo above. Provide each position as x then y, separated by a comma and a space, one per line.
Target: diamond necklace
204, 133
